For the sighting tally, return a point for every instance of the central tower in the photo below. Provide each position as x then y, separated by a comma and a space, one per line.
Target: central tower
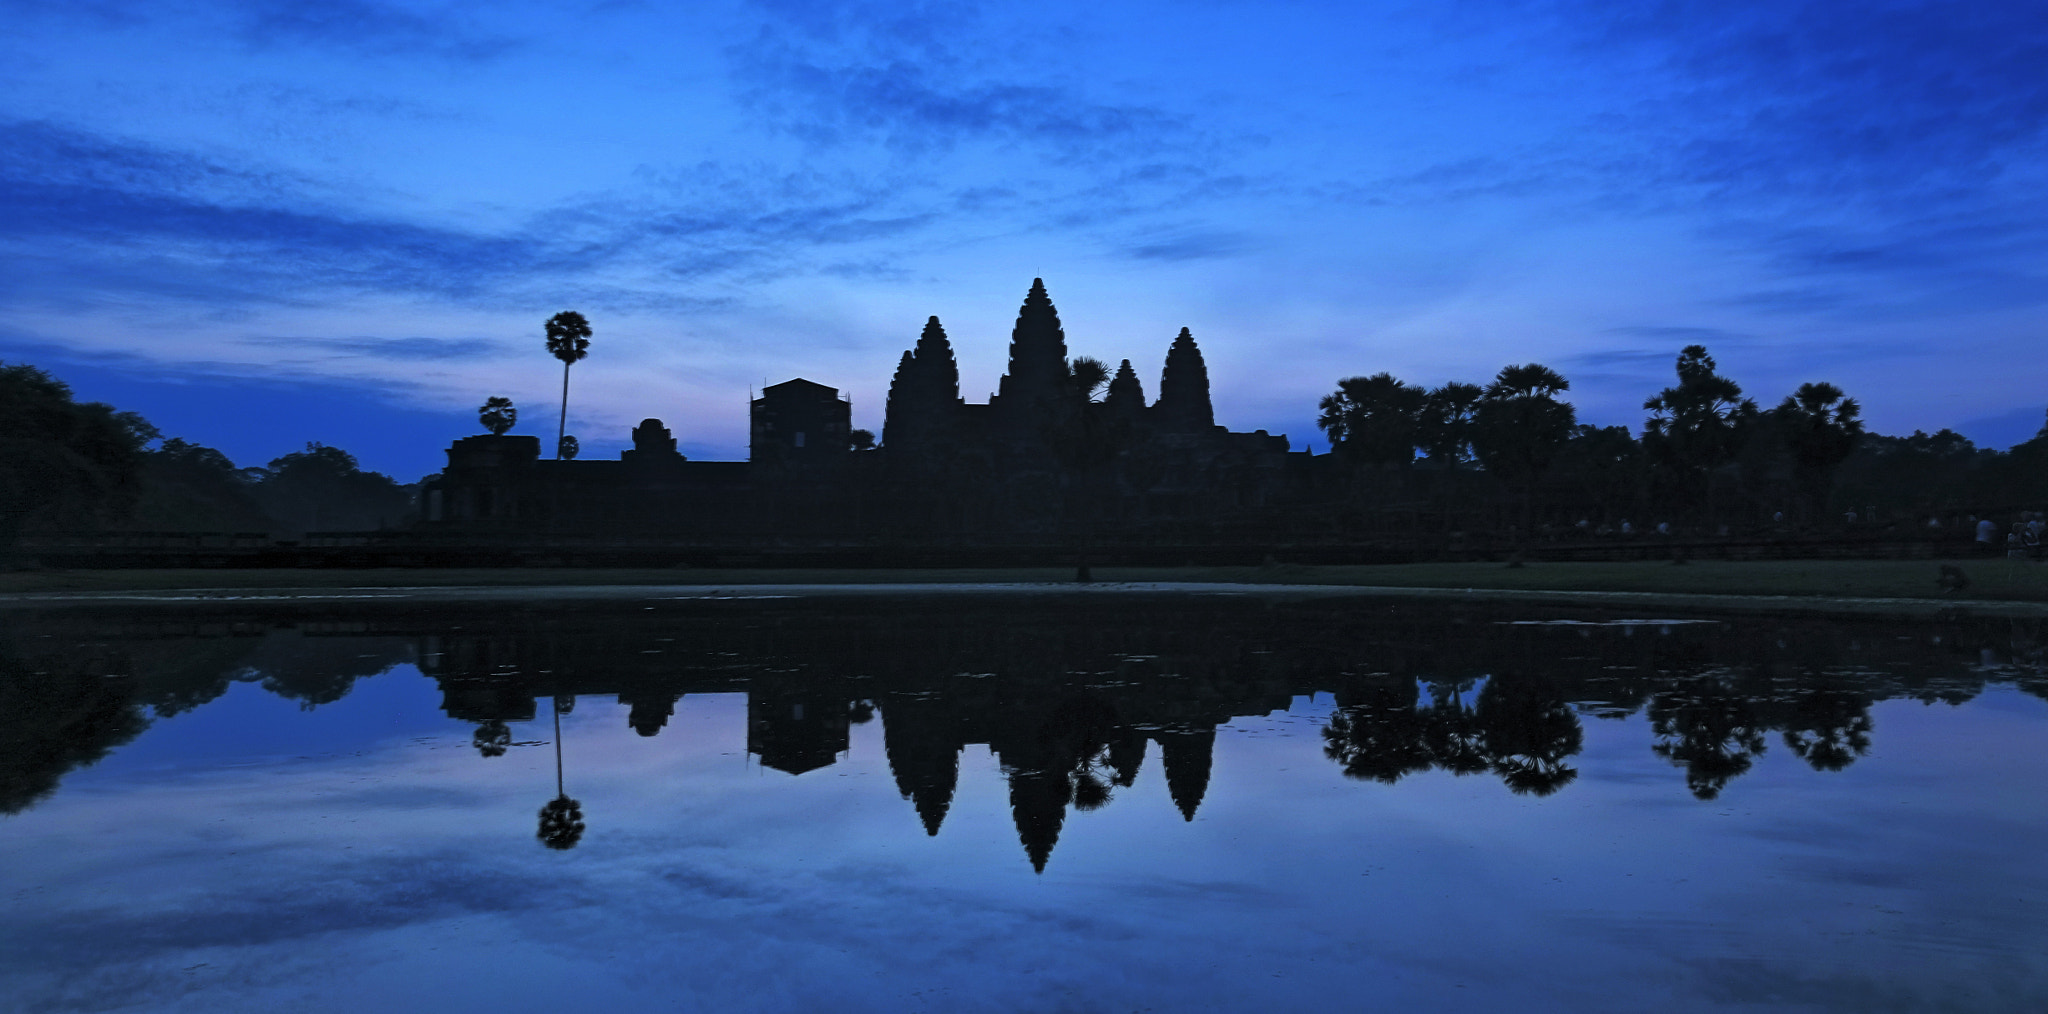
1038, 358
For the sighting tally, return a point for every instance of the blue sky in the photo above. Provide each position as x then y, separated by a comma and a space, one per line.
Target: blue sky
263, 223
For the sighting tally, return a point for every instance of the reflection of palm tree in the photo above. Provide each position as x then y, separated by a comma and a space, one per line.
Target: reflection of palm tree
1076, 738
1529, 731
1710, 730
561, 819
1829, 729
1376, 733
1451, 731
492, 738
561, 823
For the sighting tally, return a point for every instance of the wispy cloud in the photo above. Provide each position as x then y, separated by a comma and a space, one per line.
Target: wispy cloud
87, 216
1676, 333
390, 348
923, 76
1197, 244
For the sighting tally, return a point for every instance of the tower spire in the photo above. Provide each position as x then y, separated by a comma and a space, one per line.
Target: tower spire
1125, 393
1184, 386
1038, 351
923, 395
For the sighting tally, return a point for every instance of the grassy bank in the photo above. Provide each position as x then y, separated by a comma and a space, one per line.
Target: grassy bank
1990, 580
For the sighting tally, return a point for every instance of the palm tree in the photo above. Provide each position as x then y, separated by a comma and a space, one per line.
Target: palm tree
1697, 427
1446, 423
568, 341
1519, 426
1444, 433
497, 415
1373, 420
1821, 428
1088, 375
1086, 442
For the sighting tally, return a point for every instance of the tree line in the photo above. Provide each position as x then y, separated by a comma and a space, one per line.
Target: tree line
68, 466
1707, 456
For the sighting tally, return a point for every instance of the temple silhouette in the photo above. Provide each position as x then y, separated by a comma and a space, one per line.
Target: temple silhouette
1040, 457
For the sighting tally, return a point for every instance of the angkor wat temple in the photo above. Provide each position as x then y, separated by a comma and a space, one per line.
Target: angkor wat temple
1041, 458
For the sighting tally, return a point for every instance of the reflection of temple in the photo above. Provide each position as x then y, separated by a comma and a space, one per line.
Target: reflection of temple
1069, 695
796, 732
1039, 456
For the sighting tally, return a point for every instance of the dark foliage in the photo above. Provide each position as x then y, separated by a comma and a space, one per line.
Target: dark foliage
323, 489
64, 464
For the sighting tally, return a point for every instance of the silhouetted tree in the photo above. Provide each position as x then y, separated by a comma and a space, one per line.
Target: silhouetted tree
322, 487
1087, 375
1373, 420
1086, 438
1601, 467
63, 464
1519, 427
497, 415
1695, 428
187, 487
1820, 428
861, 440
569, 341
1929, 473
1449, 414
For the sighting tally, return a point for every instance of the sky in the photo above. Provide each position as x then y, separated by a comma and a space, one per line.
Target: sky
262, 223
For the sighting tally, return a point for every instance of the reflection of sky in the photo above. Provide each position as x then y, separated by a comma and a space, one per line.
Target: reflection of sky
363, 856
378, 203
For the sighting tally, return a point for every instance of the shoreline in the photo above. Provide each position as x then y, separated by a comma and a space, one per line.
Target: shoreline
1808, 588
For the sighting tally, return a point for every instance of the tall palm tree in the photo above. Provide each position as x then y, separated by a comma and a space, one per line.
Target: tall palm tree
1086, 441
568, 341
1519, 425
1696, 427
1820, 424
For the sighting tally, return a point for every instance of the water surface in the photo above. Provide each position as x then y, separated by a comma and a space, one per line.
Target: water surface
1164, 802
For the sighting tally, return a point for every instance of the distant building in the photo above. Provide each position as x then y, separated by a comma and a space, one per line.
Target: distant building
798, 421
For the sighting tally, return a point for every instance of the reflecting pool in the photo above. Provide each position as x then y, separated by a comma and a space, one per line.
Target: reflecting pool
987, 802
